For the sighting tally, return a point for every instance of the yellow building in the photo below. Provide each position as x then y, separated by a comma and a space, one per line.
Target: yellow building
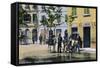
84, 23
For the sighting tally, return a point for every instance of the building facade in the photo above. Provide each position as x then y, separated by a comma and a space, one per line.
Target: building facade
84, 23
33, 17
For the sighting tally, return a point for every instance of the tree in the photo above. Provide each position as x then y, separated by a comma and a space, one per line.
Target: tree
70, 19
53, 13
21, 23
21, 16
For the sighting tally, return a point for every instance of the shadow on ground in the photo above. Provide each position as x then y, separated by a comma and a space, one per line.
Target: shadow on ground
59, 57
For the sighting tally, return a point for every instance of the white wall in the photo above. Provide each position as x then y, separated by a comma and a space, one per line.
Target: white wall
5, 34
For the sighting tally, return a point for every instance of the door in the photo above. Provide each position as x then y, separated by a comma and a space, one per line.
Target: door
58, 31
34, 34
86, 37
74, 29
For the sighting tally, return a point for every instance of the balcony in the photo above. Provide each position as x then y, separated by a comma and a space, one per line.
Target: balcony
86, 15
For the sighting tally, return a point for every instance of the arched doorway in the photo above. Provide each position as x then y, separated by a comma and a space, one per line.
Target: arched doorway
34, 35
27, 36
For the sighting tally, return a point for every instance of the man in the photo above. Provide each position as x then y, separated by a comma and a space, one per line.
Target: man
72, 43
50, 42
54, 43
40, 38
59, 43
79, 43
65, 40
33, 40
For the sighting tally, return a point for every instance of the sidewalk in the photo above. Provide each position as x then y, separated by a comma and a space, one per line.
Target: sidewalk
88, 50
42, 50
30, 50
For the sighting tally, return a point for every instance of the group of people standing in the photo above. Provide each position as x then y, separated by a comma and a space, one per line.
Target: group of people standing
65, 44
57, 43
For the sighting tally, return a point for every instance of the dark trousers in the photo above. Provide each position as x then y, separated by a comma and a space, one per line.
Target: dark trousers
33, 41
59, 49
40, 41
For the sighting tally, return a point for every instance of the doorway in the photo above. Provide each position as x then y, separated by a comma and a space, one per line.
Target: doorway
86, 37
34, 35
74, 29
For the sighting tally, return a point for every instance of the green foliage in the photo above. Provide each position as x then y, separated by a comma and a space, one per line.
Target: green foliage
53, 14
71, 18
21, 16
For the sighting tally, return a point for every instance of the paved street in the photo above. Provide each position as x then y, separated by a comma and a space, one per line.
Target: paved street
41, 54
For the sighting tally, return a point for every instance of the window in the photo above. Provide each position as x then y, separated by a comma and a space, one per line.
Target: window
27, 17
34, 7
86, 11
27, 7
43, 18
59, 18
58, 31
43, 8
74, 11
34, 18
20, 7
